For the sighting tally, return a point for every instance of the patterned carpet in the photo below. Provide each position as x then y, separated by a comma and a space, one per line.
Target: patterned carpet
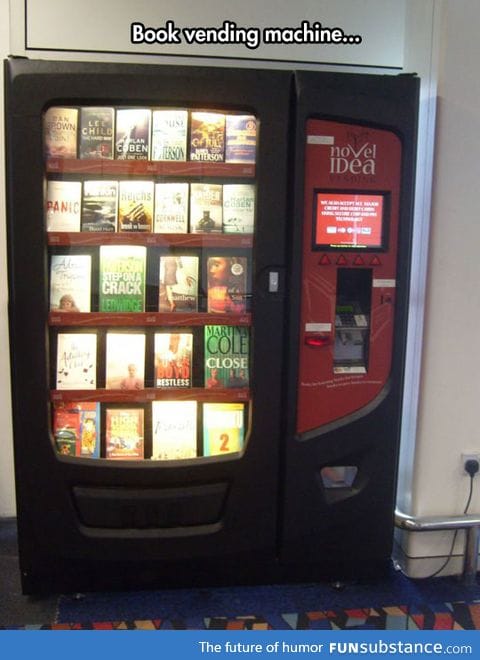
448, 616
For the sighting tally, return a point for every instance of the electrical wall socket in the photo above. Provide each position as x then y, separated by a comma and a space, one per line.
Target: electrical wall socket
467, 456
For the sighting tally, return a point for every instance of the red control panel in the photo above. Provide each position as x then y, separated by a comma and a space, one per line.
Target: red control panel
351, 212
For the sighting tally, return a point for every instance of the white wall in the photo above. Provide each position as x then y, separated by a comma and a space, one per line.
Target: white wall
450, 386
7, 499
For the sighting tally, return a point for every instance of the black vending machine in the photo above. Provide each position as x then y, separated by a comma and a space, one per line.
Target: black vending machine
181, 272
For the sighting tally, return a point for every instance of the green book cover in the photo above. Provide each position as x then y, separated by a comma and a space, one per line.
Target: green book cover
122, 278
226, 356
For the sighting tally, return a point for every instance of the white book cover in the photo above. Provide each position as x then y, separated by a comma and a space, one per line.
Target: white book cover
171, 208
238, 208
76, 361
60, 132
70, 282
174, 430
63, 205
169, 135
206, 208
125, 361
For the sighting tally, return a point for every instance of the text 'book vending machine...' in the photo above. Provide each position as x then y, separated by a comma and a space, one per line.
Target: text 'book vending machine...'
164, 222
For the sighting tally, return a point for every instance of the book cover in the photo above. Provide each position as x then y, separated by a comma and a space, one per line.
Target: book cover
173, 359
226, 356
227, 285
124, 433
135, 206
63, 205
178, 290
96, 133
223, 428
125, 361
132, 134
171, 208
60, 132
66, 428
206, 210
169, 135
238, 208
99, 206
76, 361
241, 139
122, 278
207, 137
70, 282
174, 430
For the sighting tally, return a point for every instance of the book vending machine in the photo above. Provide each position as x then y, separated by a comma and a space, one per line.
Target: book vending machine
146, 222
208, 296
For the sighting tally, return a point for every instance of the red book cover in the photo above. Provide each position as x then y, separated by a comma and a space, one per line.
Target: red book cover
227, 285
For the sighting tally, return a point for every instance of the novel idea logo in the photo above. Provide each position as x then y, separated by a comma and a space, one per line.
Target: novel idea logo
356, 157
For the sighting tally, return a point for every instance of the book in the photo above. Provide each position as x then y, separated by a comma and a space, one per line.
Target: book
226, 356
122, 278
206, 210
99, 206
173, 359
124, 433
240, 139
227, 285
96, 133
63, 205
76, 428
171, 208
135, 206
207, 137
66, 428
178, 290
132, 134
60, 132
169, 135
125, 361
76, 361
223, 428
238, 208
70, 282
174, 430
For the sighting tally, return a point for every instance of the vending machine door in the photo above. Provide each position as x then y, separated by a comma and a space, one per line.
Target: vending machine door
147, 217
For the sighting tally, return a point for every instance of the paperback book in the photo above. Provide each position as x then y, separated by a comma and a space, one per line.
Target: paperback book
206, 211
125, 361
223, 428
122, 278
99, 206
227, 285
76, 361
174, 430
241, 139
124, 433
70, 282
178, 290
226, 356
207, 138
173, 359
171, 208
96, 133
60, 132
135, 206
76, 428
238, 208
169, 135
63, 206
132, 134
